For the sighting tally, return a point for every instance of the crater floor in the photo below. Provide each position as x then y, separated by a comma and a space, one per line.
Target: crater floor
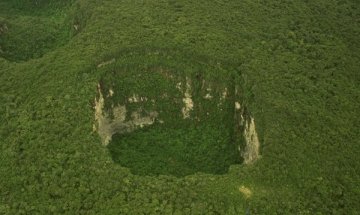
160, 150
157, 120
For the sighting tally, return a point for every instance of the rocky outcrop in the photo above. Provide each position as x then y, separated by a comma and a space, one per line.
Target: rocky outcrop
246, 135
187, 100
117, 119
107, 126
251, 152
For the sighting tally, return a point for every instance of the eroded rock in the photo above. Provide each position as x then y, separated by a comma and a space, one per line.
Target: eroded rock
107, 126
120, 121
245, 129
188, 102
251, 152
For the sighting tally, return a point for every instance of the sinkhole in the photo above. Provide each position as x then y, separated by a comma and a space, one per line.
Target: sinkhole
169, 118
31, 29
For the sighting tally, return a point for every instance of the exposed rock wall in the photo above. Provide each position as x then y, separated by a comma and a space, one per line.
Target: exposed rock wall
246, 137
187, 100
107, 126
251, 152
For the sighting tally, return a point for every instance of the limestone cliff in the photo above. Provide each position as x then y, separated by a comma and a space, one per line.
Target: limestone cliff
107, 126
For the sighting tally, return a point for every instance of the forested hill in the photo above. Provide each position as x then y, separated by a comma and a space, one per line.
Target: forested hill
149, 107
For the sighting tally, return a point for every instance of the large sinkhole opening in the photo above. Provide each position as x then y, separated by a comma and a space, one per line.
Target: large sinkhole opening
29, 29
159, 114
160, 150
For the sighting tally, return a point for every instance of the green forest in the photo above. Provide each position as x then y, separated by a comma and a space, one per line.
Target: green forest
180, 107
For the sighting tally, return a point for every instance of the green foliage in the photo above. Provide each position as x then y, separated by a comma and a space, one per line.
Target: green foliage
35, 6
179, 152
296, 63
29, 29
42, 35
203, 143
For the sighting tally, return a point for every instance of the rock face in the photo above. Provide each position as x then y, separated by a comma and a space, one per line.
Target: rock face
187, 100
119, 120
245, 130
107, 126
251, 152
